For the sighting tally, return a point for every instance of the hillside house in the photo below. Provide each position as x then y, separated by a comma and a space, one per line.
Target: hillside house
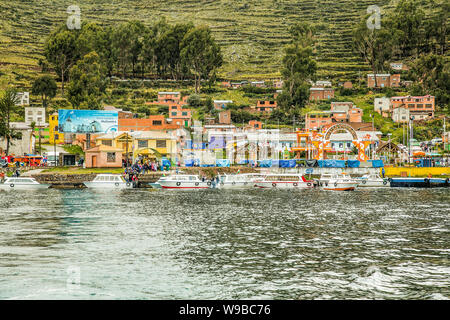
384, 80
320, 93
221, 104
266, 106
400, 115
421, 107
382, 106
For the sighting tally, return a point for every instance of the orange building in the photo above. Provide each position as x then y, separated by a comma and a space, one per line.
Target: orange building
180, 116
420, 108
383, 80
255, 124
157, 122
103, 157
340, 112
266, 106
320, 93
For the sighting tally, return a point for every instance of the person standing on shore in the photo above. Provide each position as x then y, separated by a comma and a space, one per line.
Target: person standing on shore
383, 172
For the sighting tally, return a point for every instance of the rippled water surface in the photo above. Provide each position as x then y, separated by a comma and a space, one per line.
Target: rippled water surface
256, 244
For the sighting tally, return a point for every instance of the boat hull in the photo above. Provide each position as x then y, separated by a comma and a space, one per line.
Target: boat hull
419, 183
184, 185
116, 185
15, 186
367, 183
284, 184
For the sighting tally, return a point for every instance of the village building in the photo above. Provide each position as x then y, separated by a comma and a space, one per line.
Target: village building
398, 66
221, 104
255, 124
384, 80
180, 116
420, 108
225, 117
382, 106
55, 137
266, 106
156, 122
278, 84
347, 85
23, 143
102, 156
345, 112
320, 93
323, 84
400, 115
258, 84
23, 99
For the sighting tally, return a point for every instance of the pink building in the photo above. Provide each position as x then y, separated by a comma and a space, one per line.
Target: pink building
102, 156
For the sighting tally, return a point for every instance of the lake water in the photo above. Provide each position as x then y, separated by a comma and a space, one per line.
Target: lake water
211, 244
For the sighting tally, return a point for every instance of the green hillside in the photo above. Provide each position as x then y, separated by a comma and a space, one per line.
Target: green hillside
252, 33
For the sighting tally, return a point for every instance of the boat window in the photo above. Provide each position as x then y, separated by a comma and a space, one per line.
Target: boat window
192, 178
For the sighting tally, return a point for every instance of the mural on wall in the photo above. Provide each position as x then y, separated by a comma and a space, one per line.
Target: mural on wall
87, 121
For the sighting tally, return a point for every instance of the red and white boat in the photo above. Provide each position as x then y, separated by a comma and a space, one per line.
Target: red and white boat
342, 182
183, 181
284, 181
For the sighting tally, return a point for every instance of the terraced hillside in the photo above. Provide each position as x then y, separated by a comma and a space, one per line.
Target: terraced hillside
252, 33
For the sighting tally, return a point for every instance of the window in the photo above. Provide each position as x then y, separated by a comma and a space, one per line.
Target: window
160, 143
184, 113
56, 136
174, 114
174, 107
107, 143
157, 122
429, 106
111, 157
142, 143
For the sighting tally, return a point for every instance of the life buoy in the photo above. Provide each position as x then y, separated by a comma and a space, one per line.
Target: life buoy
178, 184
274, 185
295, 184
117, 184
364, 181
12, 185
335, 184
309, 184
385, 182
128, 184
208, 183
196, 184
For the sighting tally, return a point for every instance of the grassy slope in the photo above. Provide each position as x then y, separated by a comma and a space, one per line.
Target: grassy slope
252, 33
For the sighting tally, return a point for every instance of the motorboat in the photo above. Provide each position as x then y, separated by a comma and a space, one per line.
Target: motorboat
340, 182
372, 180
325, 178
246, 180
109, 181
284, 181
22, 183
183, 181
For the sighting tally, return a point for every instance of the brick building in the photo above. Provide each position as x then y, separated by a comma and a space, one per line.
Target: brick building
384, 80
266, 106
157, 122
320, 93
421, 107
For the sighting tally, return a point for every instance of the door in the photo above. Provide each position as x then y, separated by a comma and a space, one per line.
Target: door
94, 161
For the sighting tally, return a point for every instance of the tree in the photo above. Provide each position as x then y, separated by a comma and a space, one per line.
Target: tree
374, 45
44, 86
87, 84
431, 74
194, 100
7, 107
121, 43
201, 54
61, 52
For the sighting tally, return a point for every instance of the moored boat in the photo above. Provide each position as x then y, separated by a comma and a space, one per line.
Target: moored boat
372, 180
22, 183
419, 182
284, 181
246, 180
342, 182
183, 181
109, 181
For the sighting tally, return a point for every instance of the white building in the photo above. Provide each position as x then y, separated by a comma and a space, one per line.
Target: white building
23, 99
382, 105
23, 144
323, 83
400, 115
36, 115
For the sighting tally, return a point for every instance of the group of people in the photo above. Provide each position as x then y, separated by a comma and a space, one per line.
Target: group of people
143, 166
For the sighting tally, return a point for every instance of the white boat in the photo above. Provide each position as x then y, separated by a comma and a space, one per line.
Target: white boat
325, 178
341, 182
24, 183
183, 181
284, 181
372, 180
246, 180
109, 181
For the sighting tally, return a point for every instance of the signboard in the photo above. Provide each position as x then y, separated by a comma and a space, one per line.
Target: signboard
87, 121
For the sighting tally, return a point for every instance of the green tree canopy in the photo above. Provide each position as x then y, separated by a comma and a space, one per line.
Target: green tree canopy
44, 86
